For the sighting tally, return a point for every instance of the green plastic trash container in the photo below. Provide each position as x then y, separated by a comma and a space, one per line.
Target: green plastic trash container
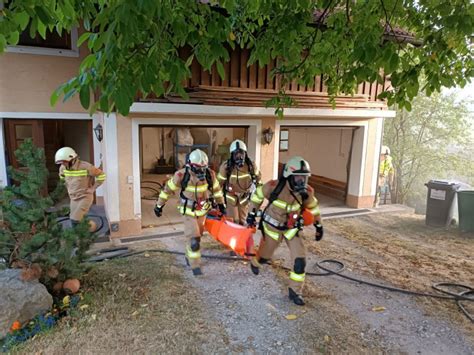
466, 210
440, 202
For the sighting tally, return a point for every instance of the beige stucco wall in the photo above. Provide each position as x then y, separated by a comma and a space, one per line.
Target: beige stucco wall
27, 81
326, 149
367, 197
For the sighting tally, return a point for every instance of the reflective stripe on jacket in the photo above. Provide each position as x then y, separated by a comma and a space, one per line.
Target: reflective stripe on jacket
197, 193
80, 178
240, 183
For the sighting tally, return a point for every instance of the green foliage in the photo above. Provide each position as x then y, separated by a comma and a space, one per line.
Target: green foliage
433, 141
134, 44
31, 234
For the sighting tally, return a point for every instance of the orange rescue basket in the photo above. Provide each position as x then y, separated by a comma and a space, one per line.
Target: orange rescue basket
232, 235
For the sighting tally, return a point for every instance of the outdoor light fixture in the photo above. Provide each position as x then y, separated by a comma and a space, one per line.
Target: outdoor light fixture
267, 134
99, 132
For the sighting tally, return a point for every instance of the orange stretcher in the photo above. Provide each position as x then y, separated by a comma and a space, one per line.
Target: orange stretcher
236, 237
232, 235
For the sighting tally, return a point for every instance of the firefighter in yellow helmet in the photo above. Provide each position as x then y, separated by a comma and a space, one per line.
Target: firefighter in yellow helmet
282, 220
199, 191
81, 179
238, 177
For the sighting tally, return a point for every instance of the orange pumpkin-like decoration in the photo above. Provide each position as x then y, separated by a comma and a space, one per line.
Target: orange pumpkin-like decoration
15, 326
71, 286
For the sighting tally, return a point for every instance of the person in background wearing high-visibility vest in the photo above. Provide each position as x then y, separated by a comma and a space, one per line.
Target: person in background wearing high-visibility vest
282, 219
81, 179
200, 191
238, 177
386, 171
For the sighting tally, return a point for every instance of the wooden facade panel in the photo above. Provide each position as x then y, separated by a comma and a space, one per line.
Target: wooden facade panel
253, 76
270, 79
205, 77
262, 78
234, 69
195, 73
215, 78
244, 72
251, 85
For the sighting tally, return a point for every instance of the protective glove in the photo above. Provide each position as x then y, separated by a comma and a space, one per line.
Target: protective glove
222, 209
251, 219
319, 232
158, 210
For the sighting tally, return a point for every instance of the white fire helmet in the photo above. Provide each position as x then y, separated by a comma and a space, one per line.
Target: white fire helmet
65, 154
238, 144
296, 166
198, 158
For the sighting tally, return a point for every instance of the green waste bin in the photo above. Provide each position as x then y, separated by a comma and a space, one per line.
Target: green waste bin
440, 202
466, 210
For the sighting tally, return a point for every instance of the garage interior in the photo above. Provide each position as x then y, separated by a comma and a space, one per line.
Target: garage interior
328, 151
163, 150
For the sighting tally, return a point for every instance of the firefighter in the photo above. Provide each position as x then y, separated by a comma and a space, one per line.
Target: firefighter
282, 220
199, 192
238, 177
386, 171
81, 179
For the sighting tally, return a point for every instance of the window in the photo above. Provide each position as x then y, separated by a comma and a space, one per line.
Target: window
53, 40
54, 44
284, 140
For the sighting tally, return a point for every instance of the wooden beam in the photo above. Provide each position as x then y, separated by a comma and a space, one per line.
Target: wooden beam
234, 68
244, 56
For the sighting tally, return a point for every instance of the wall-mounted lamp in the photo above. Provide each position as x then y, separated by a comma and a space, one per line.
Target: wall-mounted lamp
99, 132
267, 135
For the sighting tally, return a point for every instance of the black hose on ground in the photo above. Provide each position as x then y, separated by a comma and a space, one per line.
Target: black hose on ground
100, 218
458, 297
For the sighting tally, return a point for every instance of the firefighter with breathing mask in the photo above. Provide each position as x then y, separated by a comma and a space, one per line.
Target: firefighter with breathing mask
199, 192
238, 177
282, 219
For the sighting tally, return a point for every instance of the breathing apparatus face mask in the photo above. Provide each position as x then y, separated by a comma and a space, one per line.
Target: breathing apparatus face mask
238, 157
199, 171
299, 184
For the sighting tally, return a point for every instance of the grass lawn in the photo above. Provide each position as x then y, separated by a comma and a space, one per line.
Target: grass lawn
135, 304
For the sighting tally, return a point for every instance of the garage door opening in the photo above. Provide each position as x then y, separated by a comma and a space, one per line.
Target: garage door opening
328, 151
164, 149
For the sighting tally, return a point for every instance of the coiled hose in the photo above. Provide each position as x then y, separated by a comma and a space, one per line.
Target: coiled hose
466, 295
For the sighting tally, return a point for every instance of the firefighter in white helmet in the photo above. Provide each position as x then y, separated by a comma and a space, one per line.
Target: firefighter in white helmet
282, 220
199, 192
81, 179
238, 177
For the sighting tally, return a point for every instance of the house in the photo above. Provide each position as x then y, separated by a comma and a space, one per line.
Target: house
341, 144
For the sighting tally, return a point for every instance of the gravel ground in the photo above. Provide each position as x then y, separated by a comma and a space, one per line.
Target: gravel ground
340, 316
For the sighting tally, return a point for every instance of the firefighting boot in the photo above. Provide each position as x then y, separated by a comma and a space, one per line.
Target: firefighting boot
296, 298
196, 271
255, 266
193, 256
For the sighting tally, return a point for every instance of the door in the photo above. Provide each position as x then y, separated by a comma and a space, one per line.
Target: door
19, 130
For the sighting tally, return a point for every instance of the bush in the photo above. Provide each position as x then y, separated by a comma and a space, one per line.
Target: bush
31, 236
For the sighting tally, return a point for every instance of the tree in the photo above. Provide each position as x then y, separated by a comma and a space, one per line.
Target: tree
433, 141
31, 237
134, 44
